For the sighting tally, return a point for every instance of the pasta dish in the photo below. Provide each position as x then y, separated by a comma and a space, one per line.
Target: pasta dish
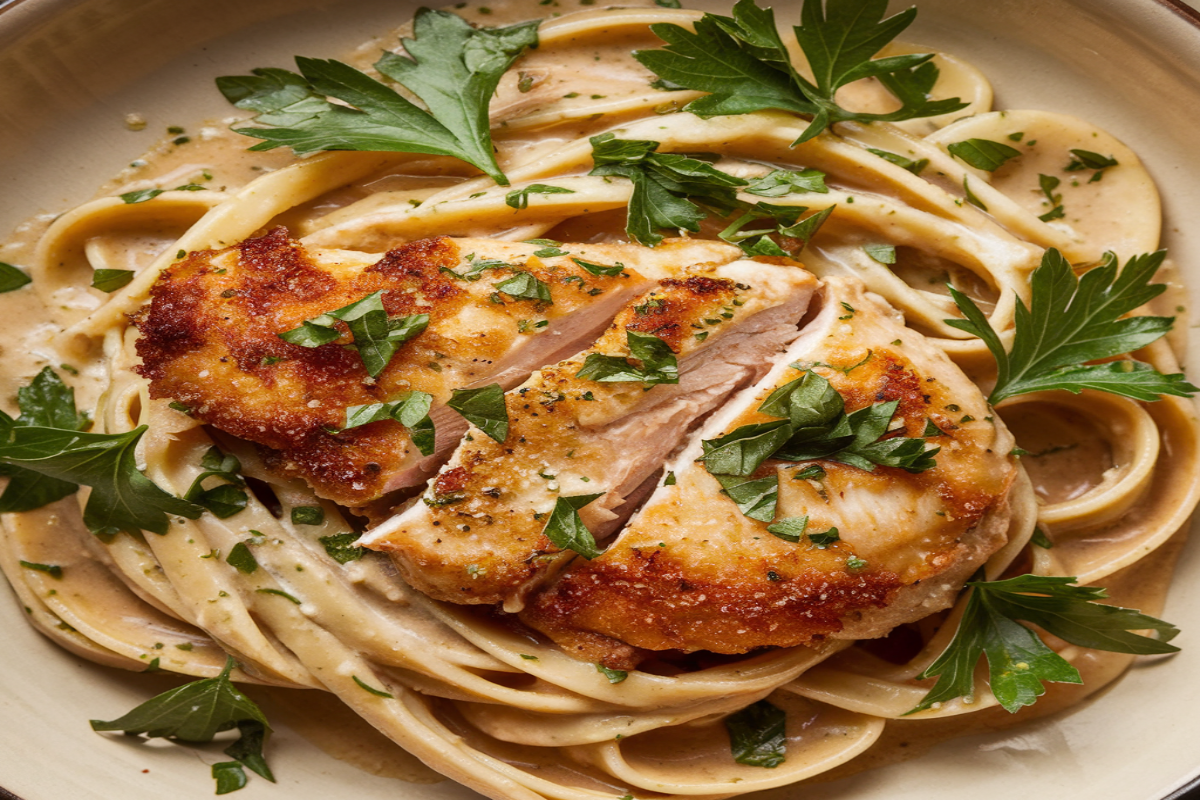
606, 402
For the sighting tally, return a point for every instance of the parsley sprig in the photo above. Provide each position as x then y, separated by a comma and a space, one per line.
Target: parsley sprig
410, 409
454, 69
658, 363
1071, 321
198, 711
813, 424
48, 457
745, 65
672, 191
376, 336
1018, 660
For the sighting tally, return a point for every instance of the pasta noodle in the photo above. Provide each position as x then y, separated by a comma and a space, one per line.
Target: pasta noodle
492, 706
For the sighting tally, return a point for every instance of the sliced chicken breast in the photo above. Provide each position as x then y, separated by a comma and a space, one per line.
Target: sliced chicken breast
693, 572
481, 533
210, 340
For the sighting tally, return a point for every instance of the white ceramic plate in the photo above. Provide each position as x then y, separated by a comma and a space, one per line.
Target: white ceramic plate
71, 70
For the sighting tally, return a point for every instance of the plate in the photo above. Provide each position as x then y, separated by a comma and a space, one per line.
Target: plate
73, 70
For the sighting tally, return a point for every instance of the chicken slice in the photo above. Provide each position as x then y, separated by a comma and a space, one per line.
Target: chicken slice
478, 537
692, 572
209, 340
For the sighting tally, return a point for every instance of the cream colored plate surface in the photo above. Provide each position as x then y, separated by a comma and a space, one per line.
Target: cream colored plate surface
70, 71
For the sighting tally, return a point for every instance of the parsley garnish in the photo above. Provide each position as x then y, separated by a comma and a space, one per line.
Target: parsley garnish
814, 425
755, 498
45, 402
454, 68
484, 408
109, 280
600, 269
53, 570
613, 675
1048, 184
376, 337
241, 559
1018, 659
882, 253
525, 286
744, 64
410, 409
47, 458
565, 528
519, 198
1073, 320
915, 167
1086, 159
790, 529
664, 186
197, 711
658, 363
12, 278
983, 153
308, 515
758, 734
341, 548
783, 182
225, 500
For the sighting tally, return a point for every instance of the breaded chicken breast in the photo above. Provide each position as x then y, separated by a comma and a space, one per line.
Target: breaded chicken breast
479, 534
210, 340
693, 572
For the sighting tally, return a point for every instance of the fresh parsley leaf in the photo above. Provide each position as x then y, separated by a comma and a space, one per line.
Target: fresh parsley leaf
12, 278
140, 196
658, 363
790, 529
1048, 184
755, 498
807, 228
371, 689
1086, 159
376, 337
1018, 660
341, 548
109, 280
519, 198
822, 539
45, 402
745, 65
241, 559
525, 286
410, 409
122, 498
983, 153
1040, 539
565, 527
613, 675
197, 711
742, 451
454, 69
783, 182
915, 167
53, 570
308, 515
664, 186
222, 501
758, 733
1071, 321
484, 408
970, 197
229, 775
883, 253
600, 269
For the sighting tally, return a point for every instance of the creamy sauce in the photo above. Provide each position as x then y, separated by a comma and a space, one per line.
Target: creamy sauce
1067, 455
